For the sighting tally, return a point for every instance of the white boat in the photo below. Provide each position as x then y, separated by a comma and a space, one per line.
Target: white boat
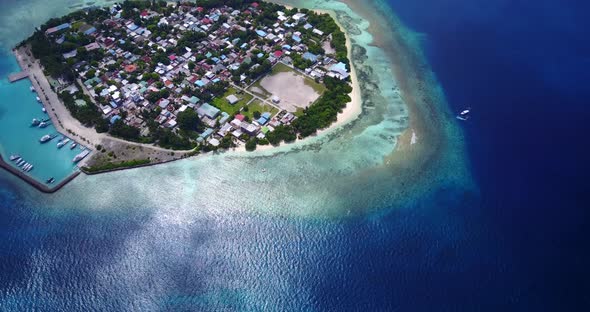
43, 124
45, 138
30, 168
464, 114
14, 157
26, 166
35, 122
44, 110
81, 156
74, 144
32, 89
62, 143
20, 162
38, 99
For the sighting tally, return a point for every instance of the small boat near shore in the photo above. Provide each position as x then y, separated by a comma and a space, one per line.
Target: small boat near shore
39, 99
32, 89
44, 110
61, 143
74, 144
14, 157
35, 122
50, 180
46, 138
81, 156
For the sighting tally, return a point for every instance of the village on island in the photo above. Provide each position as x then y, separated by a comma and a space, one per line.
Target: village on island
193, 77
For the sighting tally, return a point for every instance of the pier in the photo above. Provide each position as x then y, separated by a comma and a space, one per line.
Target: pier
14, 77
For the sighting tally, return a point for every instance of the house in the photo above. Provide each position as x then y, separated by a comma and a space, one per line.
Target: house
114, 119
339, 71
317, 32
299, 17
224, 118
232, 99
208, 111
261, 33
310, 57
57, 28
240, 117
163, 103
207, 133
262, 121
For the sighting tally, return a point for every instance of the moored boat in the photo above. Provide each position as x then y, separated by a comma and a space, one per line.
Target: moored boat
74, 144
32, 89
81, 156
62, 143
38, 99
14, 157
35, 122
50, 180
46, 138
43, 124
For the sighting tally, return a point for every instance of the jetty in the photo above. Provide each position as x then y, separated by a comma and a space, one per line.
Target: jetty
14, 77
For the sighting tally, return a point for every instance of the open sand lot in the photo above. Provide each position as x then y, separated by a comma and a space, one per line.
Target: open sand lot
293, 89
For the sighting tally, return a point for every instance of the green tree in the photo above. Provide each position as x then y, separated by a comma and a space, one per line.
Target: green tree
188, 120
251, 144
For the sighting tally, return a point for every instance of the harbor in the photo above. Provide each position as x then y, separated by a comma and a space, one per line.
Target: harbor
36, 151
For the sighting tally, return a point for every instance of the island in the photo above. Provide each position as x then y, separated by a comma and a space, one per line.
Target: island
146, 82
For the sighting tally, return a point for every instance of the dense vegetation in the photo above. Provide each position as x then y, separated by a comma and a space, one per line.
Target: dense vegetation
116, 165
87, 114
189, 120
325, 110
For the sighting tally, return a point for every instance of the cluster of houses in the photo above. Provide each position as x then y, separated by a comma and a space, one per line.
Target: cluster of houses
122, 81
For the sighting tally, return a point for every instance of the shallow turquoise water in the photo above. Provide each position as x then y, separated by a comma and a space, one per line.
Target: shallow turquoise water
18, 106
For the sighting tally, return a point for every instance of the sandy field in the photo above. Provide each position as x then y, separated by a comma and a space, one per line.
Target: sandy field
291, 89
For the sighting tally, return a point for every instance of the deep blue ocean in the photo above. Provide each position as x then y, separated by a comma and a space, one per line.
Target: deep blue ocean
520, 244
